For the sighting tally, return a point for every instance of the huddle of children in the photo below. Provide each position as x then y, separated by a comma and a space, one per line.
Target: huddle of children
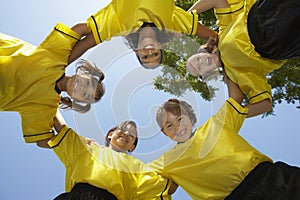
211, 162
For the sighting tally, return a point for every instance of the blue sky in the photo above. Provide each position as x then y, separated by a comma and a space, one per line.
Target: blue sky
29, 172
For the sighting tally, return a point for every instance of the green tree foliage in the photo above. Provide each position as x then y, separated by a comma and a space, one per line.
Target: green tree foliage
175, 79
285, 82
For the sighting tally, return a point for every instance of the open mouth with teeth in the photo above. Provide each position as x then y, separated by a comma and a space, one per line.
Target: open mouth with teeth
149, 46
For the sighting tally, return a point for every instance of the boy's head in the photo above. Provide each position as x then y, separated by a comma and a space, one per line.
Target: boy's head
123, 137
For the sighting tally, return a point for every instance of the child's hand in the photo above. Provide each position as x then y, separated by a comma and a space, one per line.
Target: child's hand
59, 121
92, 142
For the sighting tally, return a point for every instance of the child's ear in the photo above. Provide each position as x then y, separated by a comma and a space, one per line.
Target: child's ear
131, 148
136, 51
110, 134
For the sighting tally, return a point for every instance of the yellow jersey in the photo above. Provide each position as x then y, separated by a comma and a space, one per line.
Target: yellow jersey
215, 160
242, 63
123, 175
121, 17
28, 77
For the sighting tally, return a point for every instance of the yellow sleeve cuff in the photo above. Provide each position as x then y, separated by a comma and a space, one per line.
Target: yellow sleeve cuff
238, 107
57, 138
67, 30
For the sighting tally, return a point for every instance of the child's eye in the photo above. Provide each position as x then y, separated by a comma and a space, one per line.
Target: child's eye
85, 95
131, 136
179, 119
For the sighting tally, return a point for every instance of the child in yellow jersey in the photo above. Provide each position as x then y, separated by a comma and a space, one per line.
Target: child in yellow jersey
214, 162
33, 77
122, 17
106, 172
254, 39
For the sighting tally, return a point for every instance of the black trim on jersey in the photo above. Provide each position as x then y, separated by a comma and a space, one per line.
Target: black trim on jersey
61, 138
230, 12
38, 134
66, 34
236, 108
193, 22
258, 94
56, 88
161, 195
96, 28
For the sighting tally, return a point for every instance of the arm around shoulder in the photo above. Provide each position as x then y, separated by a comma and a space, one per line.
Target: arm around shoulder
259, 108
87, 41
253, 109
59, 124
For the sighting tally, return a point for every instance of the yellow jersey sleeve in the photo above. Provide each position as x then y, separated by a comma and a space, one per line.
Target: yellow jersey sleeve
117, 18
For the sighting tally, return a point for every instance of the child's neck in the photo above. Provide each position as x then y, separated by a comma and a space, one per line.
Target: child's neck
147, 32
62, 83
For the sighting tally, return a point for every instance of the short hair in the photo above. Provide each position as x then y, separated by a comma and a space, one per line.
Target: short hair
121, 125
176, 107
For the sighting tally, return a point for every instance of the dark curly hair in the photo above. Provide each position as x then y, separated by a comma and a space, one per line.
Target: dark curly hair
132, 40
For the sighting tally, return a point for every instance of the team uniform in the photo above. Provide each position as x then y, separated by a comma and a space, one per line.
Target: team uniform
242, 63
212, 163
28, 78
120, 174
120, 17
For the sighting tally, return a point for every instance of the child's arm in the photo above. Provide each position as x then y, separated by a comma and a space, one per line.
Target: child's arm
59, 121
84, 44
173, 188
254, 109
204, 5
259, 108
205, 33
234, 90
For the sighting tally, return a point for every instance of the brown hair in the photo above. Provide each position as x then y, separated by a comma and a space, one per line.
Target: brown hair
210, 46
132, 39
83, 67
123, 124
177, 108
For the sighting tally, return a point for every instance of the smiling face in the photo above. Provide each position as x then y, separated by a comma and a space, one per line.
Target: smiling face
149, 52
203, 65
178, 128
123, 138
82, 88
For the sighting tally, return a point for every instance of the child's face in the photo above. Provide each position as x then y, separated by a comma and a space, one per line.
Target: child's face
123, 139
177, 128
82, 88
203, 65
149, 52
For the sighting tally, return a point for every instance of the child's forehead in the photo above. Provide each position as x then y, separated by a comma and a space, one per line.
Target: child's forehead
170, 116
82, 76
